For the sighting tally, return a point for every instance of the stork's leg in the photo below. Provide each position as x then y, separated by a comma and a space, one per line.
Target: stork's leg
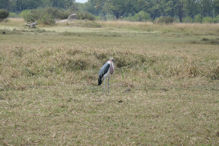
104, 89
108, 83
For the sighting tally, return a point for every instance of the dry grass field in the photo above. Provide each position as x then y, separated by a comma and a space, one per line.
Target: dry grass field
165, 90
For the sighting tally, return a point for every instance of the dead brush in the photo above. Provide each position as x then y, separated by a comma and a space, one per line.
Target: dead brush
7, 83
175, 67
18, 51
78, 62
214, 73
187, 67
74, 52
130, 60
191, 69
101, 56
174, 70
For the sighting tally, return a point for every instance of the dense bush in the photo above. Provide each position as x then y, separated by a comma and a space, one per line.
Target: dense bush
109, 17
45, 16
85, 16
140, 16
216, 19
188, 19
30, 15
46, 19
207, 20
3, 14
198, 18
56, 13
13, 15
164, 20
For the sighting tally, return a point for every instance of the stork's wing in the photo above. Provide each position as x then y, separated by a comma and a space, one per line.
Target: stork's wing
104, 69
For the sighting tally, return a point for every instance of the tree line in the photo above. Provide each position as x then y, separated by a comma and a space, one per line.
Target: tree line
136, 10
20, 5
155, 8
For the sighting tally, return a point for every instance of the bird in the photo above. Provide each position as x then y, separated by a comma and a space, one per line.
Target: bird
105, 72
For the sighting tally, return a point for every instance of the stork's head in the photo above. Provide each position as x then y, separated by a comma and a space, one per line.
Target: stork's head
111, 59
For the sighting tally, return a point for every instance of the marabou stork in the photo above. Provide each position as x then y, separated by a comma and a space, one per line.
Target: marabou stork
106, 70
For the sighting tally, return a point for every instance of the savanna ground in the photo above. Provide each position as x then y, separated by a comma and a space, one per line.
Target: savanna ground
165, 89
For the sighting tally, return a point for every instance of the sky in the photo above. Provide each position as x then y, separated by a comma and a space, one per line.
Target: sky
81, 1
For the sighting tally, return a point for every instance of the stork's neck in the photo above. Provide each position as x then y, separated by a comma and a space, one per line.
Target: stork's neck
111, 66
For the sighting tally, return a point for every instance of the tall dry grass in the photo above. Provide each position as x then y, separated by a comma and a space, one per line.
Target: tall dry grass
21, 63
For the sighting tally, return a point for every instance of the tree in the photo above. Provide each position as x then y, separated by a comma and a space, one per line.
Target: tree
155, 10
170, 8
125, 8
3, 14
191, 8
216, 7
4, 4
179, 11
206, 8
27, 4
62, 3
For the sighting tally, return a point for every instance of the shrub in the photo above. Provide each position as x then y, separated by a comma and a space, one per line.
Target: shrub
13, 15
85, 15
216, 19
165, 20
198, 18
207, 20
76, 62
30, 15
187, 19
44, 16
47, 20
56, 13
140, 16
3, 14
110, 17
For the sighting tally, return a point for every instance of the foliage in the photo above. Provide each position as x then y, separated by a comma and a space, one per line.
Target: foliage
13, 15
56, 13
44, 15
140, 16
29, 15
216, 6
4, 4
20, 5
155, 8
216, 19
85, 16
207, 20
109, 17
47, 19
3, 14
134, 10
198, 18
187, 19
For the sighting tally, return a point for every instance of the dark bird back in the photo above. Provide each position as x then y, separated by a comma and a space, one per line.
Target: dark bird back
104, 69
